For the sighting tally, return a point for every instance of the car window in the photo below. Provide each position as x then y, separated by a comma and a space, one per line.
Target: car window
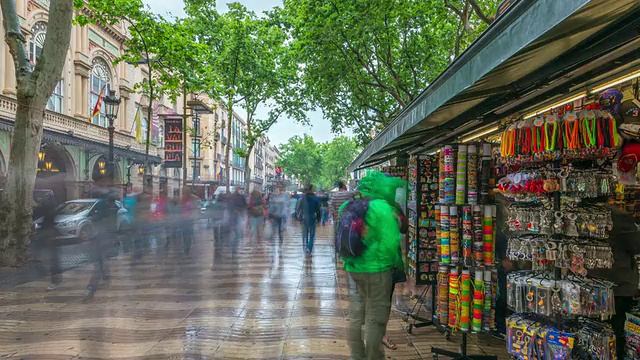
72, 208
100, 207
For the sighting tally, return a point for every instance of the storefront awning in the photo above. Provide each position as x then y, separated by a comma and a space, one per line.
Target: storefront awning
538, 51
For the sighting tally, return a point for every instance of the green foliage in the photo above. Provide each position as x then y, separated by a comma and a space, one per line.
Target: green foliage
320, 164
336, 157
253, 58
301, 157
366, 60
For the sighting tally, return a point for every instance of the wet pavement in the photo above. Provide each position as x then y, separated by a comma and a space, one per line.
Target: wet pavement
267, 302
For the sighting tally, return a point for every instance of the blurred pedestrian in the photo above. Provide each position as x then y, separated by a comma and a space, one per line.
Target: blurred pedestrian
337, 198
324, 207
104, 215
171, 224
46, 236
143, 222
237, 206
310, 209
278, 212
399, 274
190, 209
256, 215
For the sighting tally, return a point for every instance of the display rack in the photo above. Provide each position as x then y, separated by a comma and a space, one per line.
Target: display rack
465, 238
546, 181
396, 171
422, 175
422, 197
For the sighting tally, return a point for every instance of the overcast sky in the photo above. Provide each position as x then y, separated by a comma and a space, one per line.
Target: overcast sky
320, 129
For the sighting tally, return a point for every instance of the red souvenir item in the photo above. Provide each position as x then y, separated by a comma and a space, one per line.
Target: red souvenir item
629, 156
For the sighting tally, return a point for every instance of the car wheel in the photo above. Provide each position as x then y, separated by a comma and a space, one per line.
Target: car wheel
85, 233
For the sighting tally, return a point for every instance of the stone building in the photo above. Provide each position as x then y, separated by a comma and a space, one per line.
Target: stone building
74, 146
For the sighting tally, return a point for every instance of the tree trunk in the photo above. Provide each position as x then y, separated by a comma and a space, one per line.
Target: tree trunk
247, 171
34, 86
16, 202
228, 150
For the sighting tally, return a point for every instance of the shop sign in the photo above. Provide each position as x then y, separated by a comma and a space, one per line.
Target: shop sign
173, 142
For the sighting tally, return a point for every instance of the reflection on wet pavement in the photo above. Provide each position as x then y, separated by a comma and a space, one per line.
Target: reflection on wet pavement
267, 302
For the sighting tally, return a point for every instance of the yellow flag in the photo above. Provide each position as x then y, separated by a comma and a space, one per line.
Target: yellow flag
137, 120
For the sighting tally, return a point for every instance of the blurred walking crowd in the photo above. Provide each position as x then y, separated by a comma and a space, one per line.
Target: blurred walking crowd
107, 222
368, 224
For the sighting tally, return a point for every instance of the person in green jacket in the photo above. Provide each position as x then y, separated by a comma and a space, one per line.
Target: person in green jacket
370, 303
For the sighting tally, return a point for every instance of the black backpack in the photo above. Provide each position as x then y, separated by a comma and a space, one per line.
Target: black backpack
350, 228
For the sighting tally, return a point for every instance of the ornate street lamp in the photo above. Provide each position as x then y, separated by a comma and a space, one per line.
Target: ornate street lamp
41, 156
48, 165
112, 105
141, 170
101, 168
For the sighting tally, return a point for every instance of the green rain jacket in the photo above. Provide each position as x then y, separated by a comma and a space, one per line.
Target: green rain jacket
382, 235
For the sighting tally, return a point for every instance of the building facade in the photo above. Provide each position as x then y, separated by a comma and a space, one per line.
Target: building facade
75, 146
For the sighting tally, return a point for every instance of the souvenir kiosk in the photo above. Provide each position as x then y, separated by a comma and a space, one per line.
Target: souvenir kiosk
538, 56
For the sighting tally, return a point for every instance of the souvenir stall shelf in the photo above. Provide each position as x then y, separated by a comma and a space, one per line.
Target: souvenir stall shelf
552, 165
422, 196
396, 171
422, 261
632, 334
465, 238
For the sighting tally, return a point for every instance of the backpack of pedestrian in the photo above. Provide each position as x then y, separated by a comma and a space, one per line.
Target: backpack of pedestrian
350, 227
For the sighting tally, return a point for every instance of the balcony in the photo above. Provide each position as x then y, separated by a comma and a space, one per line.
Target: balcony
78, 128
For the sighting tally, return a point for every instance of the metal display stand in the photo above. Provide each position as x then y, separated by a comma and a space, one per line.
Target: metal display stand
462, 355
420, 322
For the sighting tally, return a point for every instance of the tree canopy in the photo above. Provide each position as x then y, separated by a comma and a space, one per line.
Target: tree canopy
320, 164
365, 60
253, 58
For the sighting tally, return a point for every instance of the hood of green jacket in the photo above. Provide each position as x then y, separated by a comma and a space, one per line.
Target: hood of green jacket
380, 186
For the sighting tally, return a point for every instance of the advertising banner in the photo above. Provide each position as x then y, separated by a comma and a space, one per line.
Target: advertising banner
173, 141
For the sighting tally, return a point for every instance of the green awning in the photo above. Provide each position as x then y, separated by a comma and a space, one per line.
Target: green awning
538, 51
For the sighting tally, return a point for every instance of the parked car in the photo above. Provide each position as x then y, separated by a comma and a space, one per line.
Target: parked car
77, 219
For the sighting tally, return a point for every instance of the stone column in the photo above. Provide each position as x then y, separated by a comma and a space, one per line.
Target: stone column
81, 85
85, 96
9, 74
123, 125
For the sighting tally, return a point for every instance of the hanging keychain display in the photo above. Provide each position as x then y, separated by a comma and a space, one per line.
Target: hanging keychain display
584, 135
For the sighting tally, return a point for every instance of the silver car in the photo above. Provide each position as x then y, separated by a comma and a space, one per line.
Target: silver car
77, 219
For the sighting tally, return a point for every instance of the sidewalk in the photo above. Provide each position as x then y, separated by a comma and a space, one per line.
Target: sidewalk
268, 302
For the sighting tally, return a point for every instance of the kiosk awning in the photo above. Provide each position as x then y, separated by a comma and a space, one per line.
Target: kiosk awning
536, 52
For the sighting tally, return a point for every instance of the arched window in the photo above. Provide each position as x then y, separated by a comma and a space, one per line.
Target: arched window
99, 80
36, 43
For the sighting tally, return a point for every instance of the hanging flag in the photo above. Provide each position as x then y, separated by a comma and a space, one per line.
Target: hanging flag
137, 121
96, 109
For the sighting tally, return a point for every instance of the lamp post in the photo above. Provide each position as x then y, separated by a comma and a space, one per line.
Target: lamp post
112, 105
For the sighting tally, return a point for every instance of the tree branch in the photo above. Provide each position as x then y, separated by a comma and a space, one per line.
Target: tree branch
453, 8
476, 8
49, 67
15, 39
